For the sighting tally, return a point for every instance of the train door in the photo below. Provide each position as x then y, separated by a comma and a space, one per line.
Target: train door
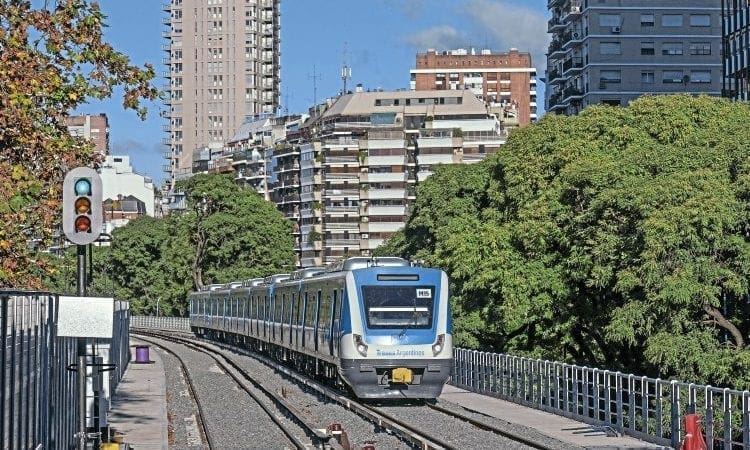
280, 319
334, 322
317, 318
292, 315
303, 323
266, 314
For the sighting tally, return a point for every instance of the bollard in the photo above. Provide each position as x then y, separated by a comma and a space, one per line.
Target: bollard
141, 354
693, 434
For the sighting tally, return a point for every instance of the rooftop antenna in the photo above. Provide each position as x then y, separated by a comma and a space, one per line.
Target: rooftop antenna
315, 77
346, 71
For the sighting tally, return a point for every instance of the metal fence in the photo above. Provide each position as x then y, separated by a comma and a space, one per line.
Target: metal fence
646, 408
161, 323
38, 394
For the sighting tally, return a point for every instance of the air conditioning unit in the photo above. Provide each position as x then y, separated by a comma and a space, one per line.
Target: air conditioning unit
615, 29
575, 9
365, 236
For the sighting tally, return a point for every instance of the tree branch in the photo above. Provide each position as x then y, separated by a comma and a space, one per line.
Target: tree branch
726, 324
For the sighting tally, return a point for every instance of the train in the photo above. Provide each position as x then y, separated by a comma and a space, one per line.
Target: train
379, 327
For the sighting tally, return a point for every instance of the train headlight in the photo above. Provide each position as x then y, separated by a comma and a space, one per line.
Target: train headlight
437, 347
360, 344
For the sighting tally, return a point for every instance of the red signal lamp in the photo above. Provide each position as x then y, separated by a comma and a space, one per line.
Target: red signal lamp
83, 224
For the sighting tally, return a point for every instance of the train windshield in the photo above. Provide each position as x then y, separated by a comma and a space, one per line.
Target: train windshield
399, 306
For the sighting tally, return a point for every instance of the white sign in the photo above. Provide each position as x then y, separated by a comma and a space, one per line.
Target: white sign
424, 293
86, 317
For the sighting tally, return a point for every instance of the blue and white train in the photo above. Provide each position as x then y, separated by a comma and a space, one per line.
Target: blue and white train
380, 326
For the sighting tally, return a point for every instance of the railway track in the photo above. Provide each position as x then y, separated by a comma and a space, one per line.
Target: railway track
318, 436
386, 418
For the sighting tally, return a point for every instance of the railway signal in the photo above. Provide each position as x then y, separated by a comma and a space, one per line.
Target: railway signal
82, 205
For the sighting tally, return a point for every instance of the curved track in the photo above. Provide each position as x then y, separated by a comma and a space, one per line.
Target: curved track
378, 415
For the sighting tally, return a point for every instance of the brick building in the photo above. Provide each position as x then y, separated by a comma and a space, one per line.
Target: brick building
505, 81
93, 128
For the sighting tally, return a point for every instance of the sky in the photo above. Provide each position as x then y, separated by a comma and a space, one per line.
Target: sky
378, 39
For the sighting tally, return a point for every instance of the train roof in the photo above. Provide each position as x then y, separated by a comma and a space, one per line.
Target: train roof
276, 278
253, 282
363, 262
307, 273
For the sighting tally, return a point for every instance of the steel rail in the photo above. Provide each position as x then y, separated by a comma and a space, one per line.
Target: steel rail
230, 367
191, 387
485, 426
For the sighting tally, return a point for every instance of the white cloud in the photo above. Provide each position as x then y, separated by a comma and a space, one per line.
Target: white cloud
511, 26
439, 37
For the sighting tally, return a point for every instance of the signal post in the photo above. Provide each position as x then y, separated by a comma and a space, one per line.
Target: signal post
82, 224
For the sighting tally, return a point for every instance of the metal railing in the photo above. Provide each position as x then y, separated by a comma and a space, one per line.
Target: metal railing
38, 396
160, 323
646, 408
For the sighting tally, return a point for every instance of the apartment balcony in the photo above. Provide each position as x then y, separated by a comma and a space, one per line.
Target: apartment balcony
555, 24
572, 38
572, 93
341, 192
343, 243
574, 11
335, 160
347, 226
552, 3
353, 176
554, 77
555, 102
572, 66
555, 49
292, 198
383, 177
342, 209
167, 168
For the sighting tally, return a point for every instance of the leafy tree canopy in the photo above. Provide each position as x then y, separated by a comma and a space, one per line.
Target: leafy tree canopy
227, 233
51, 61
617, 238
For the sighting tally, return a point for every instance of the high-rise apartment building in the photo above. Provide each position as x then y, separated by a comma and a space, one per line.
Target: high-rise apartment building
222, 67
610, 51
347, 177
93, 128
736, 32
505, 81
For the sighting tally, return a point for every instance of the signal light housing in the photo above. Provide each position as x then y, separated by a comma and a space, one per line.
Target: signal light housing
82, 205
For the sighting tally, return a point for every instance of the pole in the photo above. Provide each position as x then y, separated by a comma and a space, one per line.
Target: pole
81, 401
81, 289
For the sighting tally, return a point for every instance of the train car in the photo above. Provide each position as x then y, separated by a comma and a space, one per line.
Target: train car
379, 326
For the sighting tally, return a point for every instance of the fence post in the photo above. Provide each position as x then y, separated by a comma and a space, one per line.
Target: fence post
675, 414
4, 299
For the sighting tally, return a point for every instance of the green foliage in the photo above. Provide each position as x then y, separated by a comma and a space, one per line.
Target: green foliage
228, 233
615, 238
52, 59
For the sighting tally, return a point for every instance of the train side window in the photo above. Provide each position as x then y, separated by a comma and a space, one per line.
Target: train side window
325, 313
310, 312
283, 309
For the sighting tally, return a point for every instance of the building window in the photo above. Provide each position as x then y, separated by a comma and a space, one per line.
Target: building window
647, 77
647, 20
671, 48
610, 20
610, 48
700, 76
700, 20
671, 20
700, 48
672, 76
610, 76
647, 48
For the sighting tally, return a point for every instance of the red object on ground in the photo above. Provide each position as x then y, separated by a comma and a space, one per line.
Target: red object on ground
693, 434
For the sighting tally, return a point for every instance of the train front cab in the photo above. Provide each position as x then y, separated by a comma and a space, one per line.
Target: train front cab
397, 340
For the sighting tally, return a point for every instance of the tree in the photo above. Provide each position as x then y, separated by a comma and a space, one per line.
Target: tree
51, 61
234, 232
617, 238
